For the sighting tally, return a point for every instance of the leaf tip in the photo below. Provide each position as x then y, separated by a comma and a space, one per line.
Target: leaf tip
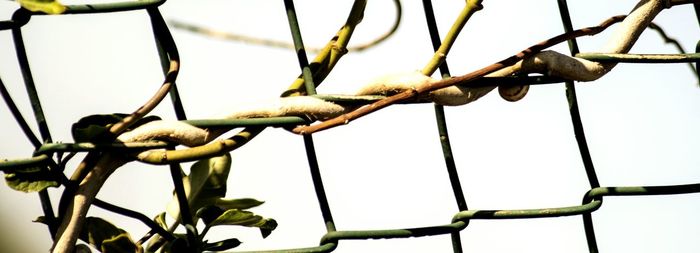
52, 7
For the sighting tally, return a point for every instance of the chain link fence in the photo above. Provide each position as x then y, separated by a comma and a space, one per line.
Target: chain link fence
52, 155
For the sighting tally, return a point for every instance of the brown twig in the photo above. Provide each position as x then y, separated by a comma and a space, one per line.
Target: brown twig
462, 80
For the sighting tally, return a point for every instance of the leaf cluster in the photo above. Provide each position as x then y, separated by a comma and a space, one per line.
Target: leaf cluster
205, 188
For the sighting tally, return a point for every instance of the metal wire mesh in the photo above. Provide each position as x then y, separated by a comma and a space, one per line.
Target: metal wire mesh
45, 148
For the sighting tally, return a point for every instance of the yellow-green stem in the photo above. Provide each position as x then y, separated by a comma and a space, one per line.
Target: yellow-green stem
470, 8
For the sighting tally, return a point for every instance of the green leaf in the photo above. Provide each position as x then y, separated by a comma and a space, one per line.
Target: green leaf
41, 219
31, 179
105, 236
209, 213
95, 128
82, 248
205, 185
243, 203
270, 226
245, 218
179, 245
222, 245
160, 220
236, 217
120, 244
45, 6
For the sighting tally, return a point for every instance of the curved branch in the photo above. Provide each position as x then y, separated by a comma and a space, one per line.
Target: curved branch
163, 34
283, 44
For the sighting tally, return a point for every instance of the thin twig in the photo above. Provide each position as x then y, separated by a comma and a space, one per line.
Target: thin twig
675, 43
170, 77
214, 33
136, 215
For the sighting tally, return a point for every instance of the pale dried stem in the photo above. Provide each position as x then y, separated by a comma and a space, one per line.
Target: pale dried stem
622, 40
557, 64
76, 213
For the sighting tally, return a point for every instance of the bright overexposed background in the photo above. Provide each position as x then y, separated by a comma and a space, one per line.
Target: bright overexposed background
384, 170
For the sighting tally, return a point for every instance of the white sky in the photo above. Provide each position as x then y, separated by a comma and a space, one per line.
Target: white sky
384, 170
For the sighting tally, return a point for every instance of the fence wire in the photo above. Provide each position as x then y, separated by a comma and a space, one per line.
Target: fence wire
45, 148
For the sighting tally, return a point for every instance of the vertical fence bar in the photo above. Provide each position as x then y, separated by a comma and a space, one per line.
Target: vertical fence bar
578, 130
318, 183
18, 116
185, 214
22, 16
27, 75
451, 171
167, 52
299, 47
696, 7
442, 125
573, 104
308, 139
440, 114
47, 208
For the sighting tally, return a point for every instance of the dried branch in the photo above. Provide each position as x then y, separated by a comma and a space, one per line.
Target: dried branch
172, 131
77, 210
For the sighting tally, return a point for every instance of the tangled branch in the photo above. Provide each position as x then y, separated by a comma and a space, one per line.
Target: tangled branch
530, 60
